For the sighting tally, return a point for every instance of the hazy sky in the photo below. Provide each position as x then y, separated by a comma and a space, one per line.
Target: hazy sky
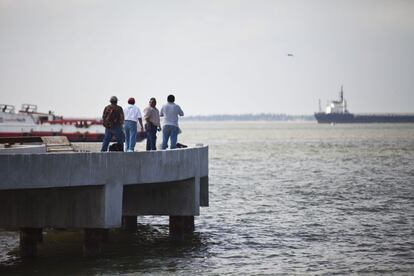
219, 56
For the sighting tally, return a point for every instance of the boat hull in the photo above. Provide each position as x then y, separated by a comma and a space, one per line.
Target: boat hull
72, 137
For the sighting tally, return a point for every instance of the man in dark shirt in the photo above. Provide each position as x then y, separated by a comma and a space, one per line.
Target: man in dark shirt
113, 119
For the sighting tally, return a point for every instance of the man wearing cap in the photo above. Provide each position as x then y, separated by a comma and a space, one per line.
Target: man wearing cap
170, 111
152, 124
113, 119
132, 116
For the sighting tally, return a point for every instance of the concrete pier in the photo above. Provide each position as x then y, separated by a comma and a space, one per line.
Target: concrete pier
180, 226
96, 191
29, 237
129, 223
92, 241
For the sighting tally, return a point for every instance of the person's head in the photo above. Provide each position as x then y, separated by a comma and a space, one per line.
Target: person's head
113, 100
131, 101
171, 98
152, 102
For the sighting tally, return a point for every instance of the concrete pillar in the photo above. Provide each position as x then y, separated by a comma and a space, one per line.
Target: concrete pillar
92, 241
181, 225
39, 234
204, 197
129, 223
29, 237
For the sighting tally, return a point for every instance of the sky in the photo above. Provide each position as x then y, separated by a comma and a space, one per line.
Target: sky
215, 56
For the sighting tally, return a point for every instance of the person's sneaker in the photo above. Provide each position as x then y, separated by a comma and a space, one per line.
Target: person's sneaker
130, 151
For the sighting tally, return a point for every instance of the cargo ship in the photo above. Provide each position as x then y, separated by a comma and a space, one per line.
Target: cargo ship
336, 112
29, 122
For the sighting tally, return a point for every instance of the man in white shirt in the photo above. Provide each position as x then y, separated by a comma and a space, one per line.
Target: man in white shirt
170, 129
132, 116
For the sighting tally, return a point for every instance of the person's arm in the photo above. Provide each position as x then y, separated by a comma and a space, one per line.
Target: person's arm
162, 112
157, 114
140, 122
121, 116
180, 111
139, 117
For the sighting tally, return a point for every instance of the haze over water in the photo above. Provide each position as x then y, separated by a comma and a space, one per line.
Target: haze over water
285, 198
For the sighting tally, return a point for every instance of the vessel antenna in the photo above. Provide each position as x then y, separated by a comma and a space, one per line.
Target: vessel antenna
341, 95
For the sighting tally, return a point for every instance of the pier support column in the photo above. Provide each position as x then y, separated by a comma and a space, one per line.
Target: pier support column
29, 237
92, 241
181, 225
129, 223
39, 234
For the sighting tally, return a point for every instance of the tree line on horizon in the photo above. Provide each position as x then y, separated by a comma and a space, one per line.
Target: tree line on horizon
250, 117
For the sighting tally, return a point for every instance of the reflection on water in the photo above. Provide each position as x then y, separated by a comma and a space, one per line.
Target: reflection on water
284, 198
149, 249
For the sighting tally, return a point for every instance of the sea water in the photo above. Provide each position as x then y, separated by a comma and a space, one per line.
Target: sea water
285, 198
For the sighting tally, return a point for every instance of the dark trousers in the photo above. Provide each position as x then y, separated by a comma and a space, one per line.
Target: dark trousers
151, 131
116, 131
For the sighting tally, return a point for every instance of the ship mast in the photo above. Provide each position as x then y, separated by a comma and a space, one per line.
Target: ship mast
342, 100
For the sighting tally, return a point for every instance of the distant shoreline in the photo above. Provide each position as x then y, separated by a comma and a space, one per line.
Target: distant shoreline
251, 117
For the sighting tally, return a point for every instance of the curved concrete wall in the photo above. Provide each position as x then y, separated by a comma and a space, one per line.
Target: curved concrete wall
21, 171
33, 187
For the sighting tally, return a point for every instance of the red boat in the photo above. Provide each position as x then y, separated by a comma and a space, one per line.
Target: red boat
29, 122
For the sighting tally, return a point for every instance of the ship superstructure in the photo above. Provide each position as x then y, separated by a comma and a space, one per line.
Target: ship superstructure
337, 106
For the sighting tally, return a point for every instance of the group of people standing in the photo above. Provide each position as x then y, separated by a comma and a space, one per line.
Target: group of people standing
123, 123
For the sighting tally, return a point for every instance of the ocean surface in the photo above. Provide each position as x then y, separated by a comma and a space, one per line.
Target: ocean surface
285, 198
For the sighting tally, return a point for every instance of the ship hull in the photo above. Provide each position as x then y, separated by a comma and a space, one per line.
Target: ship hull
349, 118
72, 137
